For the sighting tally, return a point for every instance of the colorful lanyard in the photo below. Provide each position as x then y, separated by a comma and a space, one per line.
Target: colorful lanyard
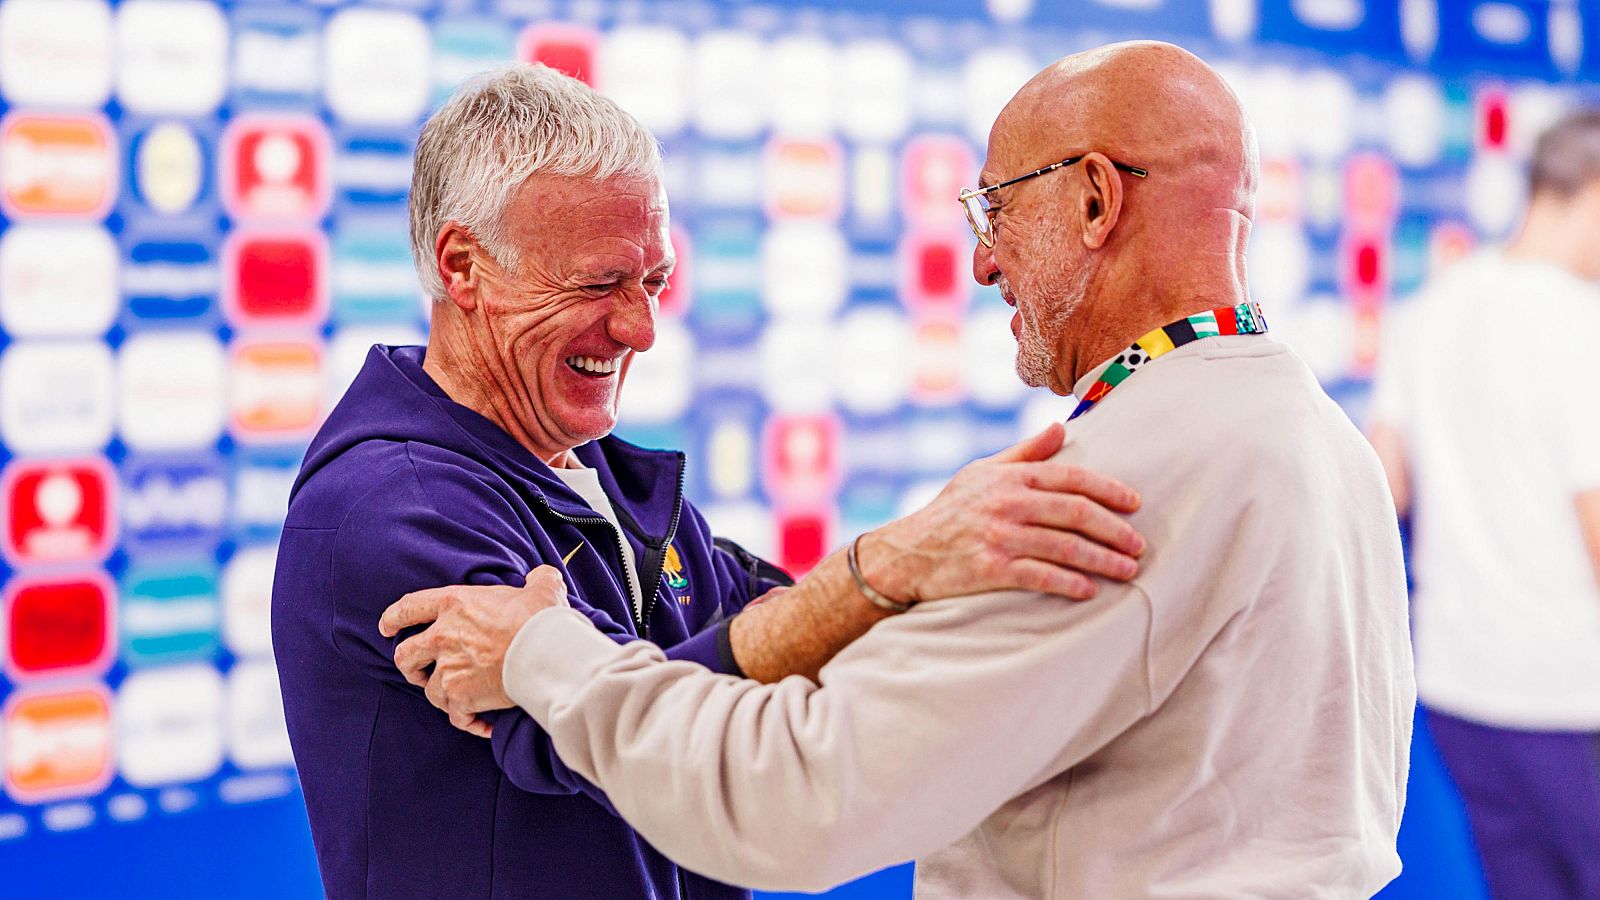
1246, 318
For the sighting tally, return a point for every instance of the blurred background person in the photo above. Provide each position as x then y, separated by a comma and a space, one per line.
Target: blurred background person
1486, 417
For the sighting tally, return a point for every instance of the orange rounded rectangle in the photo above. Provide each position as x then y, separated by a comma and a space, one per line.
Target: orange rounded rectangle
57, 166
58, 744
277, 388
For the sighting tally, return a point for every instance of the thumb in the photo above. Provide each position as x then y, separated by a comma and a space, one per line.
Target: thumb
1035, 448
551, 576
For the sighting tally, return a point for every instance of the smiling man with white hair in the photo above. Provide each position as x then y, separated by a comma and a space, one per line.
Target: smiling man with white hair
539, 227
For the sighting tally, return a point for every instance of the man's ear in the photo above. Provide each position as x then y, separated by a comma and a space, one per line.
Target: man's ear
1100, 205
458, 267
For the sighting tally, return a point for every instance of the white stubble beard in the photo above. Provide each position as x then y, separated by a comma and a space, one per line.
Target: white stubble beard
1044, 318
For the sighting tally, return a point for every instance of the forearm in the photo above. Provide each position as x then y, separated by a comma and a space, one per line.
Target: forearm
798, 632
665, 741
794, 787
524, 751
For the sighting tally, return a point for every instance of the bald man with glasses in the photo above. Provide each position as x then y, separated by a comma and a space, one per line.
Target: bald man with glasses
1234, 721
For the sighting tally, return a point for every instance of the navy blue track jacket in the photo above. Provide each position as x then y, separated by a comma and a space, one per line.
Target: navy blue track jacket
405, 489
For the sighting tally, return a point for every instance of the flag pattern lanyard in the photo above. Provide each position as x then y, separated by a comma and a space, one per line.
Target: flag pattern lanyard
1246, 318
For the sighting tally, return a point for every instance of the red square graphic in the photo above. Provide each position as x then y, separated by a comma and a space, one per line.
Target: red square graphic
276, 278
802, 540
59, 625
57, 510
565, 48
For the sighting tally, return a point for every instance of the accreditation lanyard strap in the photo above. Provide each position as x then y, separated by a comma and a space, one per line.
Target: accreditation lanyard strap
1246, 318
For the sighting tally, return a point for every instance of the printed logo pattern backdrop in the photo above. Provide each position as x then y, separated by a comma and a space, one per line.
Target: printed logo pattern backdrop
204, 230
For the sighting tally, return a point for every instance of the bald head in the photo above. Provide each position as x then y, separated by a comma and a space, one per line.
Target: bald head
1145, 103
1094, 255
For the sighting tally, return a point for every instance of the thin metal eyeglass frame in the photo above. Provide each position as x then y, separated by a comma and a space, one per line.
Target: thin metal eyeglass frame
986, 235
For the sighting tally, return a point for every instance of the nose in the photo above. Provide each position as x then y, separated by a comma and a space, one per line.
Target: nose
984, 269
632, 321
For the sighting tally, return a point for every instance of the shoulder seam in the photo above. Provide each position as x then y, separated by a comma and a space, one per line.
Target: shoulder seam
374, 488
422, 486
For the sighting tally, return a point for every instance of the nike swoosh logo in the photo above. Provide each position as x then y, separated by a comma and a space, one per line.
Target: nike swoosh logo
568, 558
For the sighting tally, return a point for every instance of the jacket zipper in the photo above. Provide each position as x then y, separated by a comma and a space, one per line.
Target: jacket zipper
661, 553
649, 606
639, 619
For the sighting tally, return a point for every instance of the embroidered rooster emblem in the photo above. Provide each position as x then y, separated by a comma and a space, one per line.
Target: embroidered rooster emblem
674, 570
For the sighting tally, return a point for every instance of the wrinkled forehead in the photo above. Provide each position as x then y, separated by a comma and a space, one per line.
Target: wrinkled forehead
621, 199
573, 216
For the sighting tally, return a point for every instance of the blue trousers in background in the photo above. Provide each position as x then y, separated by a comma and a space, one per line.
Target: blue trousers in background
1533, 804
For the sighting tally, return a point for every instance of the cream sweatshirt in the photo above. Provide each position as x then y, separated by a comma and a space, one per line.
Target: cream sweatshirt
1234, 722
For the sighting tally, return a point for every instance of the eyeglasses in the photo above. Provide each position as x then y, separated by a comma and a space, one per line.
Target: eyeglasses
981, 216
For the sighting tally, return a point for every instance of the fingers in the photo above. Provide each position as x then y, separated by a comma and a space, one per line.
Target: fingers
1067, 512
1071, 479
414, 655
1071, 551
471, 724
415, 608
434, 689
547, 584
545, 574
1036, 575
1036, 447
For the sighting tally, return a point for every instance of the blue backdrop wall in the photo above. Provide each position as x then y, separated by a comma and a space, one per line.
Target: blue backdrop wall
202, 227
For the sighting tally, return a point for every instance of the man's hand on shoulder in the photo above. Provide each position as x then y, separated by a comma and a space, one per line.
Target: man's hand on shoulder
1016, 520
469, 630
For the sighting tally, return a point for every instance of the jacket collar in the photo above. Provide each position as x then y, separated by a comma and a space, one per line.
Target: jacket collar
644, 486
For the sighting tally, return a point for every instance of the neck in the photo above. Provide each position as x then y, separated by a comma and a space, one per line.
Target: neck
1549, 235
1131, 303
450, 350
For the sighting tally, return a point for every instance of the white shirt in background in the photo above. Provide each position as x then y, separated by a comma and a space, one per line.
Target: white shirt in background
1493, 378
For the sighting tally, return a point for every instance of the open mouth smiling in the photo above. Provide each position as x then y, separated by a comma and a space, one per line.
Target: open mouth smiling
594, 366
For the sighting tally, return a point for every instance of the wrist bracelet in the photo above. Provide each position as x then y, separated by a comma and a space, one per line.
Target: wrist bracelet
866, 590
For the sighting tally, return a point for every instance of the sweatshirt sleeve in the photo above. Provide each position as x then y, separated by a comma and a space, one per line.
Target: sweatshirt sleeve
915, 735
397, 540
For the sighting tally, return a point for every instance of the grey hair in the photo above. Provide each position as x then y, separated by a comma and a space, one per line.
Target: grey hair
1567, 157
494, 132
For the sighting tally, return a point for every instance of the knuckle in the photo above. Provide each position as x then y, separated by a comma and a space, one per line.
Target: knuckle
1077, 478
1067, 549
994, 533
1038, 579
1085, 509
